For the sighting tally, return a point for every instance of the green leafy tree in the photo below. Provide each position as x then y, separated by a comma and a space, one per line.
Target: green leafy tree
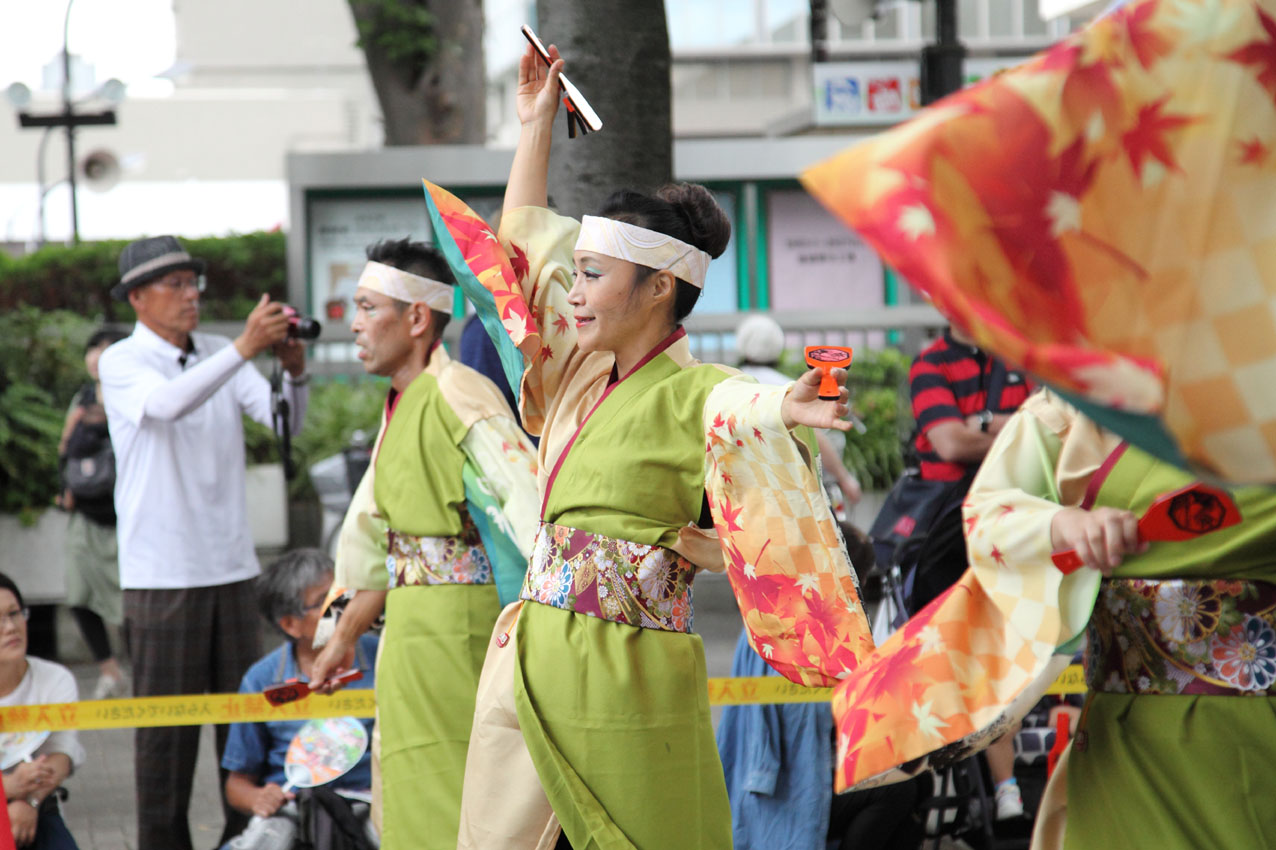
425, 58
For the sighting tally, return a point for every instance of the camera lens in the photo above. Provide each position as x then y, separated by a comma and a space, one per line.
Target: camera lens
304, 327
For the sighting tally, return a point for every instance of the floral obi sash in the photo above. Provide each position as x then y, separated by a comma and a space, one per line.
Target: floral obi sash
1183, 636
618, 580
438, 560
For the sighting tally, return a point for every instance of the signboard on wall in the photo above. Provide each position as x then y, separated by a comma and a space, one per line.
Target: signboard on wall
816, 263
851, 94
340, 228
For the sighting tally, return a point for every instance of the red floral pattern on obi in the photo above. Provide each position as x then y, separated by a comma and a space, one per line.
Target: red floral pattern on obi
632, 583
438, 560
1183, 637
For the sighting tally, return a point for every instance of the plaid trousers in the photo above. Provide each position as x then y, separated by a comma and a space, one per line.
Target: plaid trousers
184, 641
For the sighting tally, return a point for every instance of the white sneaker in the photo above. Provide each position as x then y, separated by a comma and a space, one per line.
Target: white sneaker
109, 686
1009, 801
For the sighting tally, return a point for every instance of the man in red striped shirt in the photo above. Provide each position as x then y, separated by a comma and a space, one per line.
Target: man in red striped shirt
962, 397
950, 383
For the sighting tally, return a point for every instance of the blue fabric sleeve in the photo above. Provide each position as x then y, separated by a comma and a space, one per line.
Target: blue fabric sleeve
248, 744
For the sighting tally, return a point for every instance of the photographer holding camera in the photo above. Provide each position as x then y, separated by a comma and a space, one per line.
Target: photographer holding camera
174, 403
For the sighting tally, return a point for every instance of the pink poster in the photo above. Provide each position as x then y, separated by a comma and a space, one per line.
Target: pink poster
815, 263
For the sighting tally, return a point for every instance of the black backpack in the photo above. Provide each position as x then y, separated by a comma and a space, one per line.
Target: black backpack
328, 821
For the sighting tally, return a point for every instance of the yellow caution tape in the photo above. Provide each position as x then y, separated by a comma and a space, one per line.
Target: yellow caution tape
773, 689
198, 709
190, 710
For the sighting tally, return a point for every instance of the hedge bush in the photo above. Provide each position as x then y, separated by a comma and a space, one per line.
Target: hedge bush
79, 278
42, 367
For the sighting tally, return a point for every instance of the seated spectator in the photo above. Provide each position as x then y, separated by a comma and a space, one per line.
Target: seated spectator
29, 788
290, 596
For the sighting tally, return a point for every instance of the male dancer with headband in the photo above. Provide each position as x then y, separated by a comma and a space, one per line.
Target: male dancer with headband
448, 508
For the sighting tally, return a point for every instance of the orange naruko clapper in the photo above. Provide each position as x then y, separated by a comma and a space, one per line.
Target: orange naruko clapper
828, 358
1178, 515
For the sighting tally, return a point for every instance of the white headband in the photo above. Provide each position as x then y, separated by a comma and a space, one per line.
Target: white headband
644, 247
408, 287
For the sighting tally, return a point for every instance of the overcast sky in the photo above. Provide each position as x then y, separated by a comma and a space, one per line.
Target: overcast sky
130, 39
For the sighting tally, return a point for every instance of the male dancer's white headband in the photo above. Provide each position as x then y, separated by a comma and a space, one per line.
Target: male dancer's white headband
644, 247
406, 286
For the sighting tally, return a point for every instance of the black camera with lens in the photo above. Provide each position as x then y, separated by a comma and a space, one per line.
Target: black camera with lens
301, 327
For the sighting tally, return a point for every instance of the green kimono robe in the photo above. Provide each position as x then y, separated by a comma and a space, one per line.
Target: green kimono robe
449, 452
594, 724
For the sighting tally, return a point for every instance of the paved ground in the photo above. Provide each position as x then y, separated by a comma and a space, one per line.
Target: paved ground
102, 812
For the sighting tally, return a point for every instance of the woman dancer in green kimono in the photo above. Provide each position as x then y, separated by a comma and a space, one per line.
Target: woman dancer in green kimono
1172, 750
592, 710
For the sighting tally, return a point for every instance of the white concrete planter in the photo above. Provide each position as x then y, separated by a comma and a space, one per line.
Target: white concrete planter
35, 556
865, 511
267, 500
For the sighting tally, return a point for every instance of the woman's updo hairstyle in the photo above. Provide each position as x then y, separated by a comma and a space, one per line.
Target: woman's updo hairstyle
685, 211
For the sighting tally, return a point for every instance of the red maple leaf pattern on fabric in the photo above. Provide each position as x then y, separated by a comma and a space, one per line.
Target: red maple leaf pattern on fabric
1148, 45
789, 573
489, 265
561, 325
1253, 152
730, 515
1261, 53
519, 261
1024, 214
895, 674
1147, 137
1088, 87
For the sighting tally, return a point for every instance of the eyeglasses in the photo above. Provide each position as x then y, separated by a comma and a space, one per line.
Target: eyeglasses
308, 608
180, 284
16, 618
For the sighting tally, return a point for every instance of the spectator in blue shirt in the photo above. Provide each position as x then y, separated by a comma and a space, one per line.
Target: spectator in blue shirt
290, 595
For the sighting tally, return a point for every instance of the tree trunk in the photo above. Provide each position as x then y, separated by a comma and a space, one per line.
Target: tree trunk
441, 101
617, 54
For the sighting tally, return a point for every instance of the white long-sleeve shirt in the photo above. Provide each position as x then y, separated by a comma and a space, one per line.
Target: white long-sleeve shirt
176, 425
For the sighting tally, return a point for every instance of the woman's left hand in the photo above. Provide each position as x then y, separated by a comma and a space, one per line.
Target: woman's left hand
803, 405
22, 818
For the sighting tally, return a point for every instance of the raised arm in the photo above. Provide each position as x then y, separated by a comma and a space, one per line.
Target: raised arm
537, 102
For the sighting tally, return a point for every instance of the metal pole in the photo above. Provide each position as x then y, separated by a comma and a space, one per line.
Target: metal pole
39, 173
942, 61
819, 26
67, 110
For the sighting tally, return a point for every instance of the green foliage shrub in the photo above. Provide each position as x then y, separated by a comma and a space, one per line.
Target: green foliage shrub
337, 408
41, 367
79, 278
